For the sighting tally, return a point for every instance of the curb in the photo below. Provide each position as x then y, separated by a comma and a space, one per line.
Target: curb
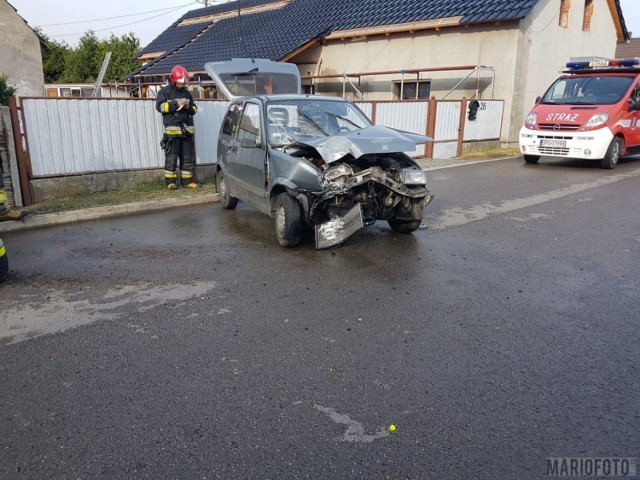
47, 219
439, 164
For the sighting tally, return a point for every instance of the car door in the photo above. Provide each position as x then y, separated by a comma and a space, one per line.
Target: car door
251, 155
227, 146
633, 116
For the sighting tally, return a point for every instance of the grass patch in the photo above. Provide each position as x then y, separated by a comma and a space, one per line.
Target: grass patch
489, 153
140, 193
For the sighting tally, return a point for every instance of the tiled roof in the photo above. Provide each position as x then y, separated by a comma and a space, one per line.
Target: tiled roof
275, 33
628, 50
174, 37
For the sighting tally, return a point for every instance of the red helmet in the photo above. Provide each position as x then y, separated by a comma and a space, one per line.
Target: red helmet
179, 75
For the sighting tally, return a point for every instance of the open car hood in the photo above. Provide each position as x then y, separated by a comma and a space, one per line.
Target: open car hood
369, 140
246, 76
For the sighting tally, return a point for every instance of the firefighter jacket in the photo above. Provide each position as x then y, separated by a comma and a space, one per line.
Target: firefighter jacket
177, 122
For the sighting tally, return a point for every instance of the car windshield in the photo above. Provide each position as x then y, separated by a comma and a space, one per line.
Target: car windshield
588, 90
289, 121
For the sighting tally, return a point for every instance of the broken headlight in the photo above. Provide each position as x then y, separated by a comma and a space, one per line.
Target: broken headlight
412, 176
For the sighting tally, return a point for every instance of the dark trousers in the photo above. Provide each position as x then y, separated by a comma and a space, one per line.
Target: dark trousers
179, 149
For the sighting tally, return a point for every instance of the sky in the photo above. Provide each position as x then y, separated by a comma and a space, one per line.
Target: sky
67, 20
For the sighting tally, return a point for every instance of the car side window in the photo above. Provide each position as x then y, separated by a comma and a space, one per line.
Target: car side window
249, 128
230, 125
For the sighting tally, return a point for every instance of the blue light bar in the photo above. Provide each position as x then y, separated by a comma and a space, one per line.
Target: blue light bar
577, 65
629, 62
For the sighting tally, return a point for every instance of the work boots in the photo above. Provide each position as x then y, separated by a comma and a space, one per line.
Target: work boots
8, 213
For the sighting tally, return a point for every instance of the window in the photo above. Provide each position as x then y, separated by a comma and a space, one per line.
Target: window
565, 6
407, 90
588, 13
230, 124
249, 128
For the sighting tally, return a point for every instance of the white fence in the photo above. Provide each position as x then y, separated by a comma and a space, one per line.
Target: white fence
74, 136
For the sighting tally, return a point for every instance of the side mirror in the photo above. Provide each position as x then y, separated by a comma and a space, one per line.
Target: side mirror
538, 100
634, 103
250, 143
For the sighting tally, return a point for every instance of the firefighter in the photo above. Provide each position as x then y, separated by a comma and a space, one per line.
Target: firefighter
177, 107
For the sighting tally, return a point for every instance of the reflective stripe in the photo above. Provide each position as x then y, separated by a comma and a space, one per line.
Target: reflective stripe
168, 174
3, 251
173, 131
3, 196
195, 108
185, 174
190, 129
166, 107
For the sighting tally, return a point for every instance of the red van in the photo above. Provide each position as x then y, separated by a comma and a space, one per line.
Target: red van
591, 112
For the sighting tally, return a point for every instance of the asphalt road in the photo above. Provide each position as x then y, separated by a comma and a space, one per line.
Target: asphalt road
186, 344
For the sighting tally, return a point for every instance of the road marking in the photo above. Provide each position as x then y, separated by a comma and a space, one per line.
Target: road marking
27, 316
455, 217
355, 430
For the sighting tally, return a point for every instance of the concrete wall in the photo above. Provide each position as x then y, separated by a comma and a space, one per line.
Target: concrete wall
8, 158
20, 55
60, 187
476, 45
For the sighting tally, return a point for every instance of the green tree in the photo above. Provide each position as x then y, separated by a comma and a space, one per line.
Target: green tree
83, 62
123, 52
6, 90
54, 56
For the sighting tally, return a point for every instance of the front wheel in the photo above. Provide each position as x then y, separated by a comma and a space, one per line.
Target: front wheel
227, 201
404, 226
610, 159
288, 220
531, 158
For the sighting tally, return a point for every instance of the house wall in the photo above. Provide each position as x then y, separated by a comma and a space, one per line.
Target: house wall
526, 56
491, 46
544, 48
20, 56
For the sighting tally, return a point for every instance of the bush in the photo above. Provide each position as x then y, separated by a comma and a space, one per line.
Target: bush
6, 90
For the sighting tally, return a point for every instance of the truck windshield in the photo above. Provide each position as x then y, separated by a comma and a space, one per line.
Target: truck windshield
588, 90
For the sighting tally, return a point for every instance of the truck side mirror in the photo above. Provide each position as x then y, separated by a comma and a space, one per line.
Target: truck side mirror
634, 103
538, 99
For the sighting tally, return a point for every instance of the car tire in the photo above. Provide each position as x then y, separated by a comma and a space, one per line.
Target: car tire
404, 226
610, 159
227, 201
531, 158
288, 220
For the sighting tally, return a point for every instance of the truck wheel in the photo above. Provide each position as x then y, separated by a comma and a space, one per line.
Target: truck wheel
288, 220
404, 226
531, 158
610, 159
226, 200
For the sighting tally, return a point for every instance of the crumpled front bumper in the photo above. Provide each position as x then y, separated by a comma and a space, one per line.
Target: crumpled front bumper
373, 174
338, 229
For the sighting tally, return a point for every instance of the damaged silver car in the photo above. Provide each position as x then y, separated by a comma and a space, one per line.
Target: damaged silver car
312, 161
